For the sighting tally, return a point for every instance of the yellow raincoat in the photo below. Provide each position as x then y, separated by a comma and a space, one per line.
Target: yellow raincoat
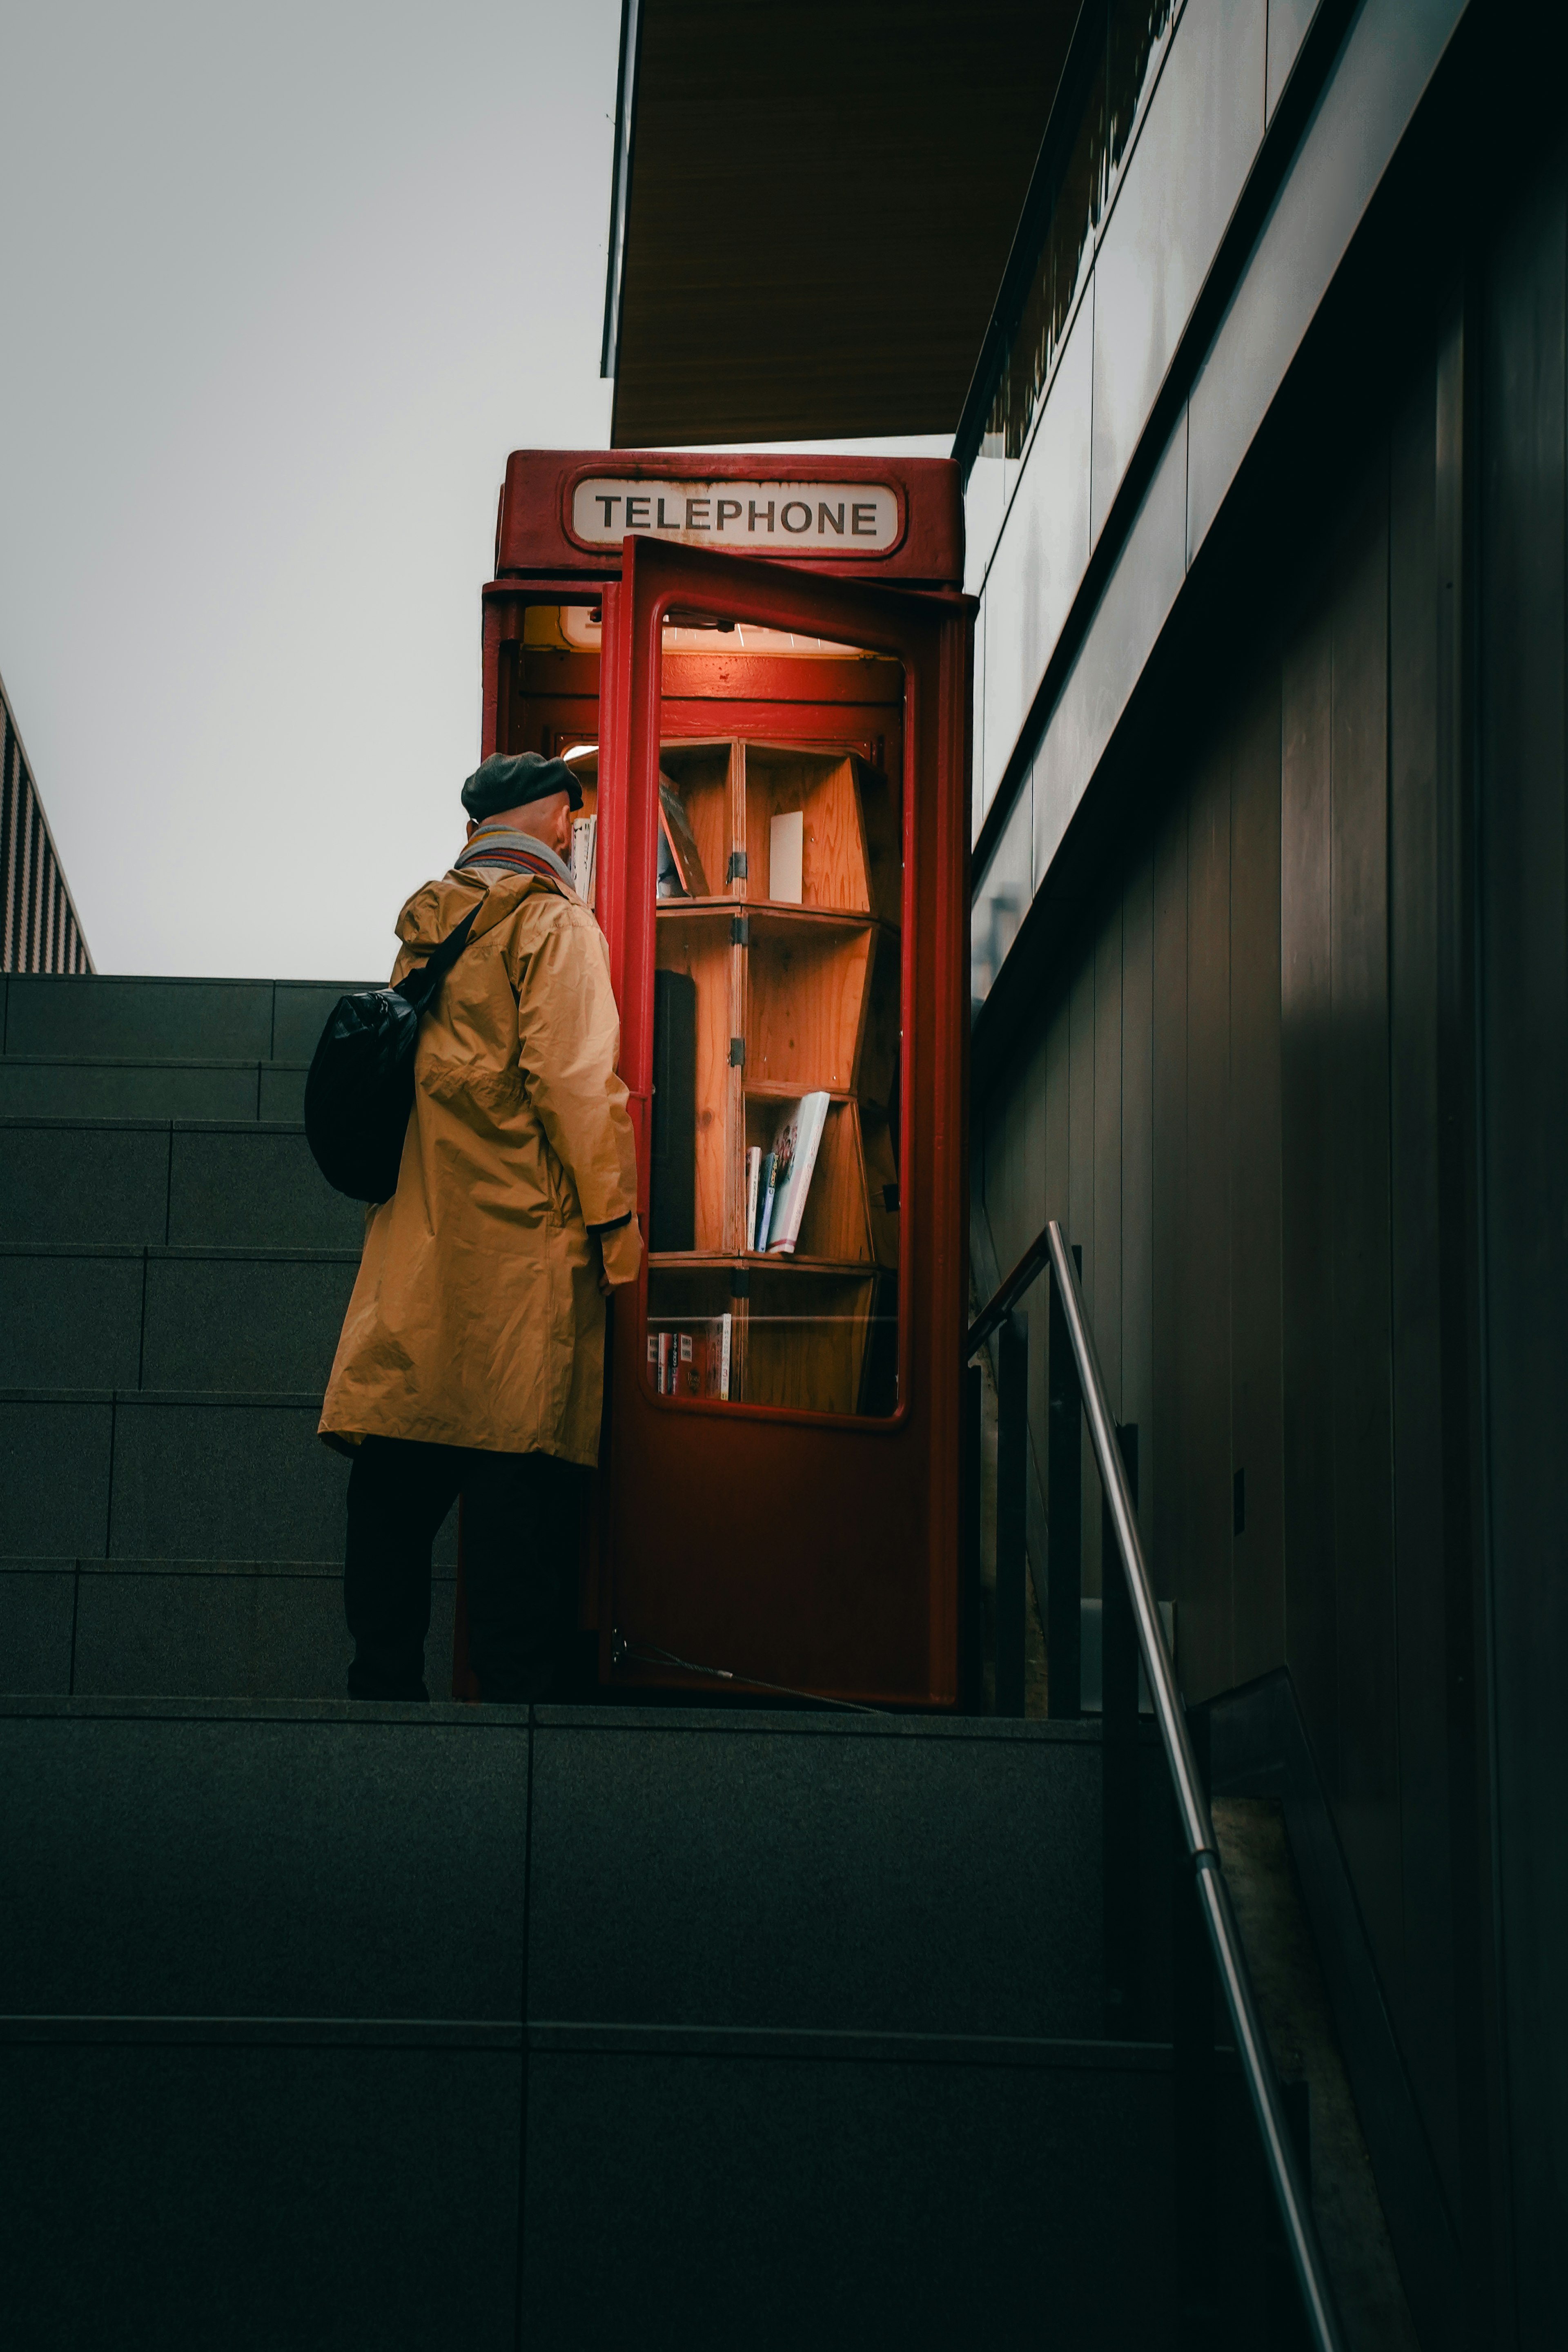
476, 1317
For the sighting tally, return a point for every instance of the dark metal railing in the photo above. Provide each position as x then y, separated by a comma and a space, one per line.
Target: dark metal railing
1128, 1605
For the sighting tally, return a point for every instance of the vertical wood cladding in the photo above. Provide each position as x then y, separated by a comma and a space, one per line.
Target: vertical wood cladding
1232, 1103
1523, 870
1300, 1092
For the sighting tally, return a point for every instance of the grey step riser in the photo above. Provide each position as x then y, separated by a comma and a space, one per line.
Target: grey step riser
761, 1876
152, 1089
151, 1321
161, 1020
137, 1478
697, 1906
210, 1188
833, 2203
210, 1633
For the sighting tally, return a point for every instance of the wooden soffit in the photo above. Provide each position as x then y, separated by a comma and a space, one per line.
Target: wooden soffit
818, 208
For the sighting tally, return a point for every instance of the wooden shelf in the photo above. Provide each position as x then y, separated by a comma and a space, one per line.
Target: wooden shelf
765, 914
702, 1261
807, 1001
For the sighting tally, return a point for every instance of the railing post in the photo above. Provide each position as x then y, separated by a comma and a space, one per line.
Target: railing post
1195, 2136
971, 1643
1012, 1510
1064, 1506
1119, 1765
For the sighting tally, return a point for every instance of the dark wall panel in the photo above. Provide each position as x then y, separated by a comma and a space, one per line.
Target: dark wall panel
1416, 594
1256, 1437
1138, 1169
1524, 989
1204, 1342
1170, 1135
1306, 1181
1368, 1780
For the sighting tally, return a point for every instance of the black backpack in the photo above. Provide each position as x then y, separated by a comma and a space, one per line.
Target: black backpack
359, 1091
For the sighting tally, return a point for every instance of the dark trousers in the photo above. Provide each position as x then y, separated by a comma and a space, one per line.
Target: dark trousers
521, 1517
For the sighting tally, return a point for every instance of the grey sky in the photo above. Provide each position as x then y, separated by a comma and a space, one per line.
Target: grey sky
282, 287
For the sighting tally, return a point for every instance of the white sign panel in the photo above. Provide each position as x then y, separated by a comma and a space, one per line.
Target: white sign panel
764, 518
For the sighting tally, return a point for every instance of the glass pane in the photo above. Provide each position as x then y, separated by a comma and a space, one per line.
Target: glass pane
774, 1211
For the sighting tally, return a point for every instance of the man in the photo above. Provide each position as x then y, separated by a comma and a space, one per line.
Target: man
472, 1356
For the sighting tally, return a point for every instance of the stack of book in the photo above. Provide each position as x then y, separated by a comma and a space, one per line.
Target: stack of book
692, 1361
777, 1181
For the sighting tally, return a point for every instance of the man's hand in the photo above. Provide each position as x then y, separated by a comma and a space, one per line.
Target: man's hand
619, 1256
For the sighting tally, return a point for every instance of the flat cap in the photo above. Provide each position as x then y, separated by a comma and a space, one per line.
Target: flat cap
511, 778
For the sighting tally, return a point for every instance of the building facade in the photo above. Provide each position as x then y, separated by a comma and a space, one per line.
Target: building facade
1266, 448
39, 928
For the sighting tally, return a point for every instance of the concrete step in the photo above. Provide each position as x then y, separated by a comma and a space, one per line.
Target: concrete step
121, 1473
654, 2025
192, 1628
136, 1018
197, 1184
214, 1320
85, 1086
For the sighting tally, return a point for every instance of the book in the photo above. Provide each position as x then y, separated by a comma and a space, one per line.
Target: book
753, 1192
675, 833
794, 1158
764, 1202
673, 1155
584, 857
692, 1362
786, 856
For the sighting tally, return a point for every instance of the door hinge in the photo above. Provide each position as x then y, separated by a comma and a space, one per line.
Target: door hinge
737, 865
737, 1053
741, 930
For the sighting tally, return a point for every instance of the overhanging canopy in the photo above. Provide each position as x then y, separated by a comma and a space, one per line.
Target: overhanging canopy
817, 210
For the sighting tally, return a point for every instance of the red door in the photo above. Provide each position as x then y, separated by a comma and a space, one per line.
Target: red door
782, 1494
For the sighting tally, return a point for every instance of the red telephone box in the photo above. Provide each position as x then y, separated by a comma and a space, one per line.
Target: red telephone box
760, 668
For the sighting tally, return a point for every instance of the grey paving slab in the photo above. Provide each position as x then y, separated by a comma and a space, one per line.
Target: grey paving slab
836, 2203
243, 1322
54, 1475
70, 1318
38, 1608
259, 2199
223, 1480
103, 1089
754, 1873
61, 1181
254, 1185
212, 1020
353, 1864
212, 1631
299, 1010
283, 1089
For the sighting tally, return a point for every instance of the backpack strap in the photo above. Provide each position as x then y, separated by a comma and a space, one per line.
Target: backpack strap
419, 987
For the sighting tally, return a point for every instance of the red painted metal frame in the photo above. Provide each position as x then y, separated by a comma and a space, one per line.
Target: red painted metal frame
533, 533
802, 1548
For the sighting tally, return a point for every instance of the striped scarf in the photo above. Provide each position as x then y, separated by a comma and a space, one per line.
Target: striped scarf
495, 844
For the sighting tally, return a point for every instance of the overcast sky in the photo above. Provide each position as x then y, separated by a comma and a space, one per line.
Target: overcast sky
281, 289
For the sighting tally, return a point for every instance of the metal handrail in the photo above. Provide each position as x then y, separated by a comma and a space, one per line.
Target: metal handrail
1197, 1828
990, 1319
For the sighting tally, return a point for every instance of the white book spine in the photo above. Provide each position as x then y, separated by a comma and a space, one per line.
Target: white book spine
724, 1357
753, 1178
789, 1204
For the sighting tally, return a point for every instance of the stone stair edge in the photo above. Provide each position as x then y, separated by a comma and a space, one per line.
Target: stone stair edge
233, 1252
749, 1723
95, 1564
288, 1400
97, 1121
148, 1061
